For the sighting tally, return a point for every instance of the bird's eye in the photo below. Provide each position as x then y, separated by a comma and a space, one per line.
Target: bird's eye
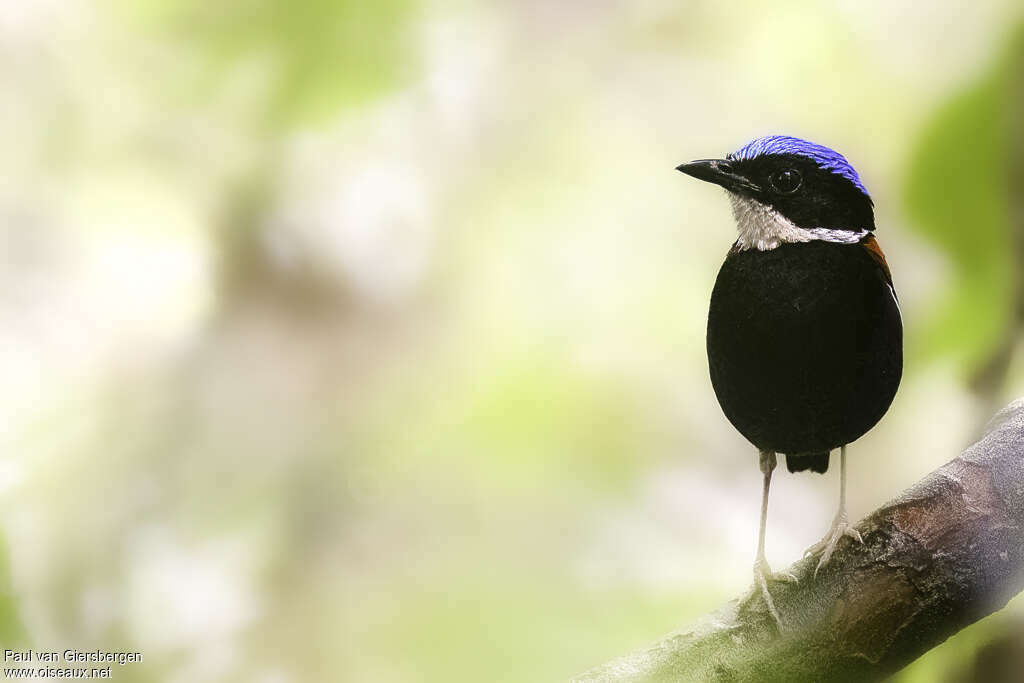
787, 181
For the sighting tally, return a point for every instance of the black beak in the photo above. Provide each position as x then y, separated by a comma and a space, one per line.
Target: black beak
719, 172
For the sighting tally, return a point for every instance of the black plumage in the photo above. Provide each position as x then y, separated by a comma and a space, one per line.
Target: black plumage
804, 346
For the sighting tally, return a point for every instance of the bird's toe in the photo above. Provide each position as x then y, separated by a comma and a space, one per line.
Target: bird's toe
785, 577
827, 546
762, 576
825, 557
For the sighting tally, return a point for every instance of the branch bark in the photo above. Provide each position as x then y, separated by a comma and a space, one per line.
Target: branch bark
947, 552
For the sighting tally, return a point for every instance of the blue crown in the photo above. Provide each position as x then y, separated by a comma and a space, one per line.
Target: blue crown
826, 158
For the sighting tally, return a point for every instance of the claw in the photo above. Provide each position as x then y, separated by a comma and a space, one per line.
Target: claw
785, 577
762, 575
827, 546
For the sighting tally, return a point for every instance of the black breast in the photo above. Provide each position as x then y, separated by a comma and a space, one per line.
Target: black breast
805, 345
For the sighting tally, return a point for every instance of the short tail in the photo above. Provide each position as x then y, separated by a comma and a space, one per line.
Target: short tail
815, 462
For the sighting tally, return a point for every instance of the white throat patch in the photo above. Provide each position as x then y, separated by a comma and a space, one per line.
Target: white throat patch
762, 227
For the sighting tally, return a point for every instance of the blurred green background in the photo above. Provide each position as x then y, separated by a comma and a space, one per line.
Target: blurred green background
364, 341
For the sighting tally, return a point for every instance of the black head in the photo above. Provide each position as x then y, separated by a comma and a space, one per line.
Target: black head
810, 185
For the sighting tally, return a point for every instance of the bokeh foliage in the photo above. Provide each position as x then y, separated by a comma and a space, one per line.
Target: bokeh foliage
959, 194
12, 630
318, 55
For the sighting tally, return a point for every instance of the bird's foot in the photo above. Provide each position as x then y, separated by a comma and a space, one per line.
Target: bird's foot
762, 575
826, 546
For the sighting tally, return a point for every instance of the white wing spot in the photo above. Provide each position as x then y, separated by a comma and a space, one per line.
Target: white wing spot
895, 299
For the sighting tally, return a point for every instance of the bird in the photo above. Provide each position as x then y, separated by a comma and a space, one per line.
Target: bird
804, 332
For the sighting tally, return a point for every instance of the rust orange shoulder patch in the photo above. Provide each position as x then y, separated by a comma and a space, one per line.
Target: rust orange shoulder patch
871, 244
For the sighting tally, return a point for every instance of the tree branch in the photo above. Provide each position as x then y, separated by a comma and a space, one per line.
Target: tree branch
947, 552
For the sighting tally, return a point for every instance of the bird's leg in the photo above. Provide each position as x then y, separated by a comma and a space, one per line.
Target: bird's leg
840, 525
762, 572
